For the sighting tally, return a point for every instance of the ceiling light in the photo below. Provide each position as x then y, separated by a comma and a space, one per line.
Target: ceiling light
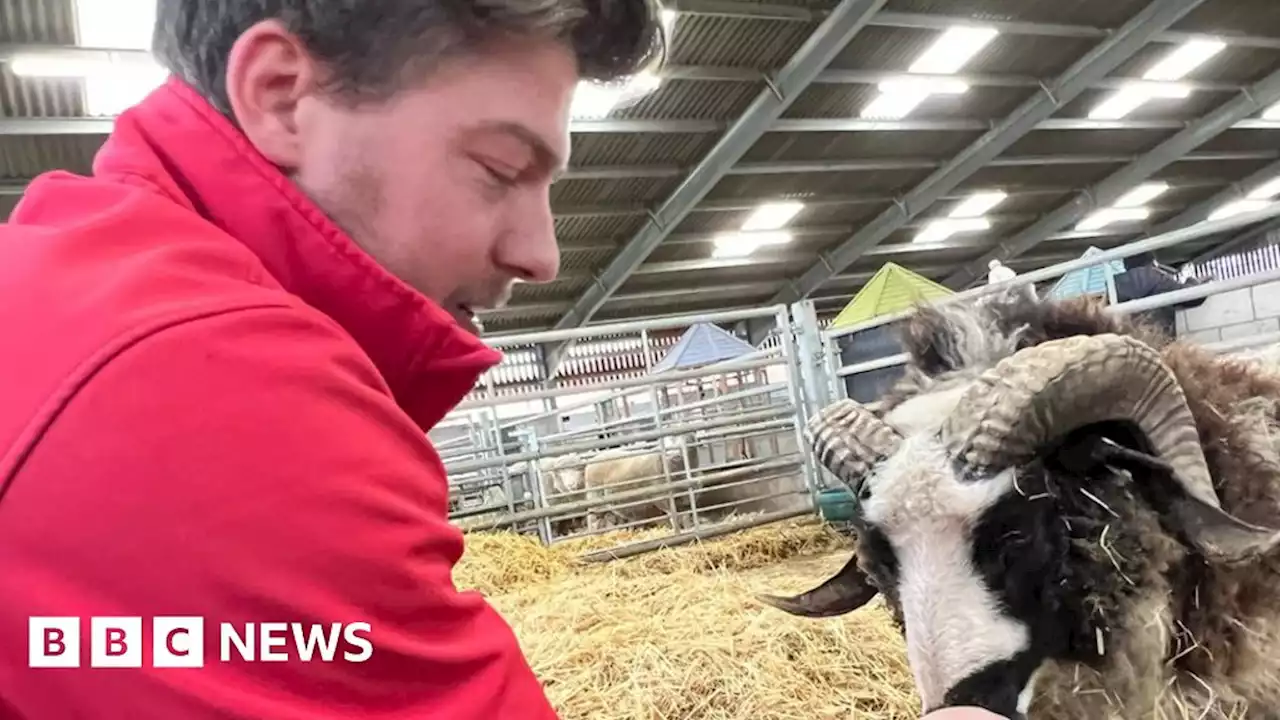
1187, 57
926, 86
1141, 195
740, 244
893, 106
53, 66
1238, 207
940, 230
1272, 113
1266, 190
1117, 106
1108, 216
978, 204
124, 24
953, 49
1133, 96
772, 216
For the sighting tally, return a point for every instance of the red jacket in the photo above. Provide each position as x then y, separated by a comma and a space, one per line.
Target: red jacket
213, 404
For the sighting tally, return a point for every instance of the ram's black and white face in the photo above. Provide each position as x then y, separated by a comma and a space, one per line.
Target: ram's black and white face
975, 560
980, 503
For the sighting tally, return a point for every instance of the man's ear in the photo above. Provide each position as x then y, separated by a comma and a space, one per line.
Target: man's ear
269, 74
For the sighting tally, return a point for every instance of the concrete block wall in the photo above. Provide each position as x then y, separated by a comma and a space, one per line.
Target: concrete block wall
1233, 315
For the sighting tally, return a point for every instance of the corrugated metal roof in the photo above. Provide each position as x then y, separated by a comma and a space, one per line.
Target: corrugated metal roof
596, 217
737, 42
606, 149
1098, 13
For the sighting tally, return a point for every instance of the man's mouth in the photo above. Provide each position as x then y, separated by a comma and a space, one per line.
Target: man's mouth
466, 317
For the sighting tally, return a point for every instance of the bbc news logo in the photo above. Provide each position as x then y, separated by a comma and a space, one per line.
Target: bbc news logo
179, 642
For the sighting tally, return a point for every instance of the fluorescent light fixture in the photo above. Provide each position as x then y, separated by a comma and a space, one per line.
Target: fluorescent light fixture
1238, 207
926, 86
1133, 96
1141, 195
1111, 215
955, 47
893, 106
1117, 106
1272, 113
54, 66
771, 216
124, 24
1266, 190
978, 204
741, 244
1187, 57
940, 230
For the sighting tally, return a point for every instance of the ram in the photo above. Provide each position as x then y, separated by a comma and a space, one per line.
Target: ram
1067, 516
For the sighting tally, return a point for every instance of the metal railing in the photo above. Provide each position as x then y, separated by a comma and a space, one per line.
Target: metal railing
716, 446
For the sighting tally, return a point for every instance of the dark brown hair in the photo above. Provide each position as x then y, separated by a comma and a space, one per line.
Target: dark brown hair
373, 48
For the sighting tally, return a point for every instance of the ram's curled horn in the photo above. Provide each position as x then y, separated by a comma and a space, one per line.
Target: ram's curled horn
1041, 393
849, 440
846, 591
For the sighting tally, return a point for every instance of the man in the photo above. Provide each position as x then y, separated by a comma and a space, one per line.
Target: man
223, 351
1144, 277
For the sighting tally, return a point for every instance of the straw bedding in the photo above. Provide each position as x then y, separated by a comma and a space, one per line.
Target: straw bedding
677, 634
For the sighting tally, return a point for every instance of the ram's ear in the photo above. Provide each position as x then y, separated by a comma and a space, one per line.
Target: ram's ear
846, 591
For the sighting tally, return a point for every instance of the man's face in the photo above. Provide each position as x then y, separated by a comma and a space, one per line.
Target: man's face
448, 184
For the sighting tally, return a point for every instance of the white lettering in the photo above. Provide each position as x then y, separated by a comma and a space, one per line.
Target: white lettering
306, 647
245, 645
353, 639
268, 641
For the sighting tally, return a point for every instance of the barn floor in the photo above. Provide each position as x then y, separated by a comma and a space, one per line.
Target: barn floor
678, 635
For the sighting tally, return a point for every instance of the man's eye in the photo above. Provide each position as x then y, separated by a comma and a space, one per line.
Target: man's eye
503, 178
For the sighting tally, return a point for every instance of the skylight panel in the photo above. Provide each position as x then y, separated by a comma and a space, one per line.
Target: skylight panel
117, 24
1142, 194
940, 230
772, 216
741, 244
1239, 207
1266, 190
978, 204
1160, 80
893, 105
1186, 58
946, 56
952, 50
1112, 215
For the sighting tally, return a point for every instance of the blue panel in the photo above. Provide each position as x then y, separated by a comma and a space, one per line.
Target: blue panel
703, 344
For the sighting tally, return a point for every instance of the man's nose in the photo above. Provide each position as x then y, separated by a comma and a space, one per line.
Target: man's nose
530, 252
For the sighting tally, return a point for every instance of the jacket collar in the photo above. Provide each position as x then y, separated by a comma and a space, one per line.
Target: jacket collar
177, 142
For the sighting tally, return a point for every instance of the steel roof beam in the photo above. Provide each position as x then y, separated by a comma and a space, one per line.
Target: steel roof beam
1104, 58
783, 167
1254, 99
1201, 212
740, 204
939, 21
104, 125
823, 45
